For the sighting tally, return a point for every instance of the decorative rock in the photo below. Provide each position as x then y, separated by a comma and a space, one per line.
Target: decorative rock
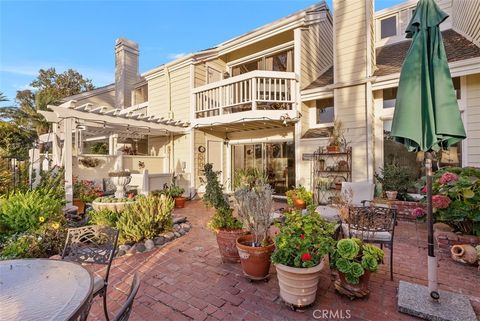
140, 247
182, 231
177, 234
442, 227
179, 219
169, 236
149, 245
159, 240
185, 226
132, 250
121, 253
176, 227
124, 247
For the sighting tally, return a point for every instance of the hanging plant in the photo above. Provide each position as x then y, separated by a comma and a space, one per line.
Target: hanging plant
89, 162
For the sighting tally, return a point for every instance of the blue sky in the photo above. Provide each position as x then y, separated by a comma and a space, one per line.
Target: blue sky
81, 34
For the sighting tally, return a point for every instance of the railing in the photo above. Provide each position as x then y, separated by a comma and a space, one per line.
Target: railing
255, 90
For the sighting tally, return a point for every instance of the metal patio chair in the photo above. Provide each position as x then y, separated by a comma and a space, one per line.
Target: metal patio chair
124, 313
93, 244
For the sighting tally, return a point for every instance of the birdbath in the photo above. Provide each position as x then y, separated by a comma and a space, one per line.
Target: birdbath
120, 179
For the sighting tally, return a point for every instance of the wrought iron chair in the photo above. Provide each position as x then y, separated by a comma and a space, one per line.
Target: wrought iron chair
124, 313
93, 244
372, 224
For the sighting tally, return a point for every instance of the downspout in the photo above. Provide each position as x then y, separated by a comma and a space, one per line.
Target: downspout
369, 143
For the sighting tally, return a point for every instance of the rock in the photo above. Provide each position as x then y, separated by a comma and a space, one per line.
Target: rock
177, 234
442, 227
149, 245
124, 247
185, 227
121, 253
176, 227
140, 247
132, 250
182, 231
159, 240
169, 236
179, 219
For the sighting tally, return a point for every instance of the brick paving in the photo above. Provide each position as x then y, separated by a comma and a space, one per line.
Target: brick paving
185, 280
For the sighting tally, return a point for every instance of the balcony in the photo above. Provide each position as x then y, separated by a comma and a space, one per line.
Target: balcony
255, 90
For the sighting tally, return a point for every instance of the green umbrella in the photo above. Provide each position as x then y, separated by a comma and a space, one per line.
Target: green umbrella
426, 115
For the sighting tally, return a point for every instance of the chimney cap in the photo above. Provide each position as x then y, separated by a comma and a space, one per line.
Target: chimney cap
126, 42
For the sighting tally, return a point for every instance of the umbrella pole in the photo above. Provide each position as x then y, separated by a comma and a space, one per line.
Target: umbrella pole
432, 260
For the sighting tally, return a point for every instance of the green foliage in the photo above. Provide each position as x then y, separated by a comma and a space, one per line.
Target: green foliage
85, 190
300, 235
463, 213
52, 183
248, 177
145, 219
15, 141
175, 191
99, 148
214, 196
352, 258
395, 178
224, 219
300, 193
104, 217
22, 211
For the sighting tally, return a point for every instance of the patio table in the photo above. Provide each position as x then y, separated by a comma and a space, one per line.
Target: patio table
42, 289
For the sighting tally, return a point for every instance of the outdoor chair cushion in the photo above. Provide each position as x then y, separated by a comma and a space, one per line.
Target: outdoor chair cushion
359, 192
329, 213
367, 235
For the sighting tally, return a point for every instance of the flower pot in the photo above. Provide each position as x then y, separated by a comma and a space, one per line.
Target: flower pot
80, 205
299, 203
298, 286
464, 253
255, 260
391, 195
227, 244
333, 149
180, 202
120, 183
353, 291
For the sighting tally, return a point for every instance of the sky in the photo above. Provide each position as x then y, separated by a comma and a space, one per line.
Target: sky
81, 34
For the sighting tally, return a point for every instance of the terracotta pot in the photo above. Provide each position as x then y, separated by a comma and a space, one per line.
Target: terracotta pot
299, 203
180, 202
333, 149
391, 195
353, 291
80, 205
464, 253
227, 244
298, 286
255, 260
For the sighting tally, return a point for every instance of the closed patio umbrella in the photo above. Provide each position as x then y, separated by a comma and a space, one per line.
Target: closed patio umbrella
427, 117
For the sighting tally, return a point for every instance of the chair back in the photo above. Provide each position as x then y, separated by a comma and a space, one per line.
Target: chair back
124, 313
357, 193
368, 220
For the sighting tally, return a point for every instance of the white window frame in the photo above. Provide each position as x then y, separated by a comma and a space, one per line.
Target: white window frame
312, 114
379, 27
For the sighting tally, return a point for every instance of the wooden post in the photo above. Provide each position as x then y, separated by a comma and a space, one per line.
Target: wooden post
68, 161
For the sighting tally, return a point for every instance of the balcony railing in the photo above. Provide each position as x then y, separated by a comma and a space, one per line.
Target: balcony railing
255, 90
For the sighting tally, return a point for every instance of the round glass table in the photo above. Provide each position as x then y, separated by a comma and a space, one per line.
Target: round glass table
42, 289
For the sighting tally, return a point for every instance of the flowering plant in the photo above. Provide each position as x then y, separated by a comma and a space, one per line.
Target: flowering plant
303, 240
419, 213
85, 190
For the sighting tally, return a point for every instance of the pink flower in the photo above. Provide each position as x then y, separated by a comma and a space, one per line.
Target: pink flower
424, 189
418, 212
440, 201
447, 178
306, 257
302, 236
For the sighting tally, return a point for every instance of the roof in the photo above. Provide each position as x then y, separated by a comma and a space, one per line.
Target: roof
90, 93
317, 133
390, 58
325, 79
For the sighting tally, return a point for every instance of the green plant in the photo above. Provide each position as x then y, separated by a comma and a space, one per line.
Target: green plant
52, 182
176, 191
89, 162
303, 240
395, 178
352, 257
104, 217
300, 193
145, 218
22, 211
119, 174
214, 196
224, 219
248, 177
99, 148
85, 190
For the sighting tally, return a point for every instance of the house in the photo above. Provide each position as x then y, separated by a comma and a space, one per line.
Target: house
266, 99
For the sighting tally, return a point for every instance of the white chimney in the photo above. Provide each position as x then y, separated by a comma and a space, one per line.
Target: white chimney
126, 71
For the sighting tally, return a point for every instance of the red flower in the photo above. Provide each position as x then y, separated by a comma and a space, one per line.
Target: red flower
302, 236
306, 257
447, 178
440, 201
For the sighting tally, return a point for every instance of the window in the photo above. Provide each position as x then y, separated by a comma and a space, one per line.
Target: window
325, 111
213, 75
282, 61
388, 27
456, 86
389, 97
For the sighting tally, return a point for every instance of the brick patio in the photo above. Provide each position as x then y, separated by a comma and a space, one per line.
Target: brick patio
185, 280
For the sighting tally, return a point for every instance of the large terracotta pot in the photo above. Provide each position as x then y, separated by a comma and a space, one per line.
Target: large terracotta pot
227, 244
80, 205
353, 291
299, 203
333, 148
464, 253
255, 260
180, 202
298, 286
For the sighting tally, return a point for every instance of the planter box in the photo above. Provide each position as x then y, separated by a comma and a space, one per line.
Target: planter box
446, 239
404, 209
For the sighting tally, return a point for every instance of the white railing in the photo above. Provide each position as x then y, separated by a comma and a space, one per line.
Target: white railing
259, 89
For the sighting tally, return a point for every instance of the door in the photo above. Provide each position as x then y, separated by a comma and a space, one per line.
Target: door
215, 155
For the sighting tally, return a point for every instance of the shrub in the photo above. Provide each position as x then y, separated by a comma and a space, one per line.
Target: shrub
145, 219
52, 182
395, 178
352, 257
303, 240
300, 193
104, 217
22, 211
224, 219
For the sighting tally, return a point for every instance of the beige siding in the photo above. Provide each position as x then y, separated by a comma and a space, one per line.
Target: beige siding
473, 120
180, 93
465, 19
181, 156
157, 145
316, 51
158, 97
104, 99
200, 75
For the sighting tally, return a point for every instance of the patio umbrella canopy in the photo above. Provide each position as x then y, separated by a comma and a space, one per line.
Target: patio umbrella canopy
427, 117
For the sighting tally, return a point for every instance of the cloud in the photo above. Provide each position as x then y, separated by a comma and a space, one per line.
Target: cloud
20, 70
174, 56
26, 87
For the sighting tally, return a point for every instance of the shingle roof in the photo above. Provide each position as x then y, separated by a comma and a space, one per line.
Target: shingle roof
317, 133
325, 79
390, 58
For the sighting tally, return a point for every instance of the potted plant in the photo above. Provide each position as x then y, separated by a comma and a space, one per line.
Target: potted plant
301, 250
227, 228
336, 137
83, 192
354, 261
176, 192
395, 180
254, 201
299, 198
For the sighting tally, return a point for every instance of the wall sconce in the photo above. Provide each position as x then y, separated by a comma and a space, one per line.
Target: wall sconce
285, 119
